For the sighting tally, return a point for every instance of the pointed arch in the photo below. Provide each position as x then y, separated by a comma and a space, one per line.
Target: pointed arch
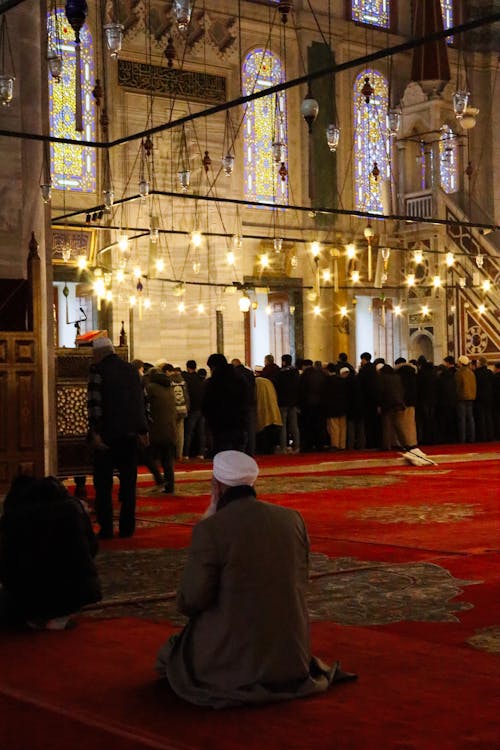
265, 119
371, 141
72, 167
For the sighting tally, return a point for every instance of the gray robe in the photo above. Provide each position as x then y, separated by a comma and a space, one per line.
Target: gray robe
244, 590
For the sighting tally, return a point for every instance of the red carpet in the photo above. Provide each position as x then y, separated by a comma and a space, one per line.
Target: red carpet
405, 591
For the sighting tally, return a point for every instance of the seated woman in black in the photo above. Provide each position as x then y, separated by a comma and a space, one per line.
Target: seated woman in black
47, 547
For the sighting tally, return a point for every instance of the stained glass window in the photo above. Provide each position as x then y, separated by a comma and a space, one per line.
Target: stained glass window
371, 141
373, 12
448, 160
72, 167
447, 11
264, 126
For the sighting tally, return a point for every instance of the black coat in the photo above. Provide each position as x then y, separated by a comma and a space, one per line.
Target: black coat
46, 550
226, 401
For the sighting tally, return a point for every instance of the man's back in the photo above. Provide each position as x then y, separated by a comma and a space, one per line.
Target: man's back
247, 575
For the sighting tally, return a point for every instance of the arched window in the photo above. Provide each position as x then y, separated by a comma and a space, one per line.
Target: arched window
72, 167
447, 11
448, 160
264, 125
373, 12
371, 141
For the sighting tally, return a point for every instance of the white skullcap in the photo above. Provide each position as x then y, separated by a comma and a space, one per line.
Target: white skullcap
379, 365
463, 359
102, 343
233, 468
343, 370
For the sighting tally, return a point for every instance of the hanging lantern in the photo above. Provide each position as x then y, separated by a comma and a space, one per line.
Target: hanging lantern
228, 164
184, 177
207, 162
283, 171
277, 244
393, 121
109, 199
468, 119
143, 188
97, 92
367, 91
309, 109
368, 231
179, 289
332, 137
46, 190
76, 13
196, 266
284, 8
375, 171
114, 38
170, 52
66, 253
7, 76
182, 11
277, 150
479, 260
460, 101
55, 63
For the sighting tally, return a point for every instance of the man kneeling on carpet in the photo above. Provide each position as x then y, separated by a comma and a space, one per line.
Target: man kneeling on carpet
47, 547
244, 591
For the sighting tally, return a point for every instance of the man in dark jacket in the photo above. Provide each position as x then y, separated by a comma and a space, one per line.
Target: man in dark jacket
225, 405
46, 555
483, 405
287, 390
313, 423
446, 401
163, 427
194, 425
117, 420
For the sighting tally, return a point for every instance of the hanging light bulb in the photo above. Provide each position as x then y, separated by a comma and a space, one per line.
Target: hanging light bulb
397, 310
143, 188
481, 309
237, 241
228, 164
201, 308
147, 303
196, 266
268, 310
123, 243
327, 275
55, 64
120, 276
393, 121
196, 238
410, 279
309, 109
114, 38
109, 296
332, 137
316, 310
436, 282
462, 282
343, 311
315, 248
277, 244
230, 258
355, 277
350, 250
160, 265
181, 307
486, 285
264, 260
450, 259
184, 177
425, 311
153, 235
460, 101
418, 257
132, 300
312, 295
81, 262
137, 273
244, 303
182, 11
